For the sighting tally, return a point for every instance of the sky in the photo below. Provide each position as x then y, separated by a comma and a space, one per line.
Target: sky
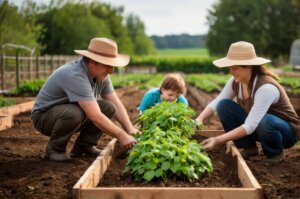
164, 17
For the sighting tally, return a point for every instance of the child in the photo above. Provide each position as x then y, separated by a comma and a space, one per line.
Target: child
172, 88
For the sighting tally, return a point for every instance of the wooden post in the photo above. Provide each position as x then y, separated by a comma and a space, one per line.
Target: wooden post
52, 65
37, 67
30, 67
45, 66
2, 71
17, 70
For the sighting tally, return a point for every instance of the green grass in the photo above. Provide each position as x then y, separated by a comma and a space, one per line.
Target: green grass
6, 102
183, 52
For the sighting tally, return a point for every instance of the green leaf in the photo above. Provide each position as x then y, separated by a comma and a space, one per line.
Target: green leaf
167, 154
149, 175
158, 172
175, 167
151, 165
165, 165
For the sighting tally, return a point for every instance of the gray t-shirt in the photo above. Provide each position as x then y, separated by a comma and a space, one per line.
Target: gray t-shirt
70, 83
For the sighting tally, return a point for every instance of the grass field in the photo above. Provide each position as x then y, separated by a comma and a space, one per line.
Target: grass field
183, 52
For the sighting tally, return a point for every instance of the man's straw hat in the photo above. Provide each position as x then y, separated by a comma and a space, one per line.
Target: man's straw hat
240, 54
105, 51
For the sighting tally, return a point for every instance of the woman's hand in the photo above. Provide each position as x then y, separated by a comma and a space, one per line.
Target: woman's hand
209, 143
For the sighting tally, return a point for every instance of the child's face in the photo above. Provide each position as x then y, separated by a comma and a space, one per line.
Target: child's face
168, 95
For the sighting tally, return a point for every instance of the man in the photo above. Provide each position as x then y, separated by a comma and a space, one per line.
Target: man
79, 97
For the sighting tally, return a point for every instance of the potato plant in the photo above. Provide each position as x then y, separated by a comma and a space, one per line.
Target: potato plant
164, 149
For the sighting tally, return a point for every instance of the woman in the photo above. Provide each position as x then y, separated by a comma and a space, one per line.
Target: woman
263, 111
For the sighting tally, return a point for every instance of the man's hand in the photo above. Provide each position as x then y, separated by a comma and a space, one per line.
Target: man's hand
209, 143
126, 140
135, 131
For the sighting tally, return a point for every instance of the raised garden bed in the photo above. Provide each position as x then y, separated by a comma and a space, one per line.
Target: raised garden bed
7, 113
234, 167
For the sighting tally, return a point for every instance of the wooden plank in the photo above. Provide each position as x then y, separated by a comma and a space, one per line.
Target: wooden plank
86, 186
245, 175
16, 109
108, 150
209, 133
86, 181
7, 113
6, 122
167, 193
93, 174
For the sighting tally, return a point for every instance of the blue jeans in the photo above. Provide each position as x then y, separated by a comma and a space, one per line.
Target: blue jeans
274, 133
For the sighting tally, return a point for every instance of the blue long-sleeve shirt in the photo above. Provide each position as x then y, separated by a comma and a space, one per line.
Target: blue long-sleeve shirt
152, 97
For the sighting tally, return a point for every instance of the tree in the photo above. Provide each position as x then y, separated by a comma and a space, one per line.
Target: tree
114, 21
271, 25
65, 25
19, 27
143, 45
70, 27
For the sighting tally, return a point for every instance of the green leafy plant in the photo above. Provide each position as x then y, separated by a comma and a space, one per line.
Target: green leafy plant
29, 87
6, 102
164, 149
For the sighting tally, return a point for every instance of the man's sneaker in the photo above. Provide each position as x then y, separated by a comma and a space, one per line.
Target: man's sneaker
250, 151
51, 154
85, 151
274, 159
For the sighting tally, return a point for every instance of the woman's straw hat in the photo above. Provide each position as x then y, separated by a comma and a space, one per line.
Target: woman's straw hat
239, 54
105, 51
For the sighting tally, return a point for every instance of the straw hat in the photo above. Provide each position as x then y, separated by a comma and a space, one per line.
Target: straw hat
105, 51
240, 53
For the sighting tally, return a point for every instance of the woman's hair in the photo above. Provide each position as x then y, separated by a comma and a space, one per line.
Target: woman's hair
174, 82
262, 70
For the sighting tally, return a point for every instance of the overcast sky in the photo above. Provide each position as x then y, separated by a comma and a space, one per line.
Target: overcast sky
162, 17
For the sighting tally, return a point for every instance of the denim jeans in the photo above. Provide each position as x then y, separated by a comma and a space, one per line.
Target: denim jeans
274, 133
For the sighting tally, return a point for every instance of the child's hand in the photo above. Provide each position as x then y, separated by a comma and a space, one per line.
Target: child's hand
136, 133
199, 124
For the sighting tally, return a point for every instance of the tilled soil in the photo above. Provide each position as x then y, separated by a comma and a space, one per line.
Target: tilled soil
224, 173
25, 174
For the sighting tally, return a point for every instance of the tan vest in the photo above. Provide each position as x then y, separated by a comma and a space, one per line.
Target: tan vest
283, 108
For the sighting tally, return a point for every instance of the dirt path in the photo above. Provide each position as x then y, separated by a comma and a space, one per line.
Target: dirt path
24, 174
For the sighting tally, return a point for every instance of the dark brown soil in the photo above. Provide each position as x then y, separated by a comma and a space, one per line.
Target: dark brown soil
281, 180
224, 174
25, 174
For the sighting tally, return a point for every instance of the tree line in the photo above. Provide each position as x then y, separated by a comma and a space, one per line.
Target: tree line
179, 41
65, 25
271, 25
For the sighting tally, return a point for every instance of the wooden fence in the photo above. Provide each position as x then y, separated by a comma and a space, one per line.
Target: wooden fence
17, 69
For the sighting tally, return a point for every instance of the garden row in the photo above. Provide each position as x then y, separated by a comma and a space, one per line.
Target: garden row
208, 82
